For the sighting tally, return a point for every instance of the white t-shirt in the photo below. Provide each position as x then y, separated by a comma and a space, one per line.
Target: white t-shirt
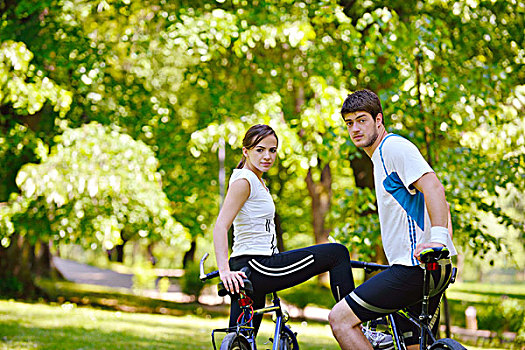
253, 227
403, 215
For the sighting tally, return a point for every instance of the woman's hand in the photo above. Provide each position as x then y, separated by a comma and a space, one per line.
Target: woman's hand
232, 280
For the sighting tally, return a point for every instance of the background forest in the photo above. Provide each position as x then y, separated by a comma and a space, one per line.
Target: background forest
120, 122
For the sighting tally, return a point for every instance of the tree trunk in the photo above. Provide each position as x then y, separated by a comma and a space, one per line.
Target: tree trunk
189, 256
15, 269
364, 178
321, 193
119, 250
279, 232
152, 259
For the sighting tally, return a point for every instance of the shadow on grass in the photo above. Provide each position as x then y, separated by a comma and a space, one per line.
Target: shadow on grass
155, 335
106, 298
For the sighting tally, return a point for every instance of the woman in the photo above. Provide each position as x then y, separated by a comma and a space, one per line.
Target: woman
250, 207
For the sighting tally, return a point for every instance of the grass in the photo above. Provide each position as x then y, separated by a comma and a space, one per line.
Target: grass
121, 299
487, 292
93, 317
66, 326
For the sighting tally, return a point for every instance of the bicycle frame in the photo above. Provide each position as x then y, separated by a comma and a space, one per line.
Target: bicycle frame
245, 322
422, 320
399, 343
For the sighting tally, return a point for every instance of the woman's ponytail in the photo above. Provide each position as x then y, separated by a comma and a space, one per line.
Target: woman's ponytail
241, 163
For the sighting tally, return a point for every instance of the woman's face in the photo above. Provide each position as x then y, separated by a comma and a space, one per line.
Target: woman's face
260, 158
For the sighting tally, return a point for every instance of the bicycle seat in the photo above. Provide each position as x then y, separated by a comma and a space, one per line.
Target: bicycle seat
435, 254
248, 287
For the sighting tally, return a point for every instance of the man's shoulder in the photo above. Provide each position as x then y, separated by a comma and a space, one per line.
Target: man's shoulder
393, 143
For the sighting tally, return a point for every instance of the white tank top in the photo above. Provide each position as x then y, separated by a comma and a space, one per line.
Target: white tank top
254, 227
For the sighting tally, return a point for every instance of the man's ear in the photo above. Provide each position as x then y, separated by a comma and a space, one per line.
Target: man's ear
379, 119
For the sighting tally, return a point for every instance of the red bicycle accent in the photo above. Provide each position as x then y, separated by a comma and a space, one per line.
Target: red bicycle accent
244, 300
432, 266
242, 314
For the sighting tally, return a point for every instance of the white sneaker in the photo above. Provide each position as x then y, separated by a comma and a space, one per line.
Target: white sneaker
379, 340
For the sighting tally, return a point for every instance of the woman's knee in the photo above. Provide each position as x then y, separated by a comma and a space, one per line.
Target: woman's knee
340, 250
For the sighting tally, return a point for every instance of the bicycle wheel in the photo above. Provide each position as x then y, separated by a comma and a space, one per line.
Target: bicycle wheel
288, 340
233, 341
447, 344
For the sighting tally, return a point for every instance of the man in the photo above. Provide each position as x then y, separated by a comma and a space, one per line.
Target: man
413, 215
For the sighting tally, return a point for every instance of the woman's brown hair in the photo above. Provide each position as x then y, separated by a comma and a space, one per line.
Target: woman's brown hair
253, 136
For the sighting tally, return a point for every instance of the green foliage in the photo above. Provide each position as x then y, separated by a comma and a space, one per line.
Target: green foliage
499, 307
164, 284
183, 76
23, 86
95, 188
10, 286
308, 293
190, 283
144, 277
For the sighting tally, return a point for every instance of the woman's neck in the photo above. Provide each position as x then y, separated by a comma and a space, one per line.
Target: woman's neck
253, 170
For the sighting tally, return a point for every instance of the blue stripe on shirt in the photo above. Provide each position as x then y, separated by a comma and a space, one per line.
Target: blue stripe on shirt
413, 204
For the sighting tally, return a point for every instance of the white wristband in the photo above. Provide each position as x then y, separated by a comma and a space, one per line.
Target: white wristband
439, 234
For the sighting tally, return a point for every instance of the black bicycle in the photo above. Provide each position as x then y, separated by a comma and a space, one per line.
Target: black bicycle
242, 336
430, 258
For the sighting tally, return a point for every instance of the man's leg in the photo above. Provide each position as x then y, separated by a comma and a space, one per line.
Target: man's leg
346, 327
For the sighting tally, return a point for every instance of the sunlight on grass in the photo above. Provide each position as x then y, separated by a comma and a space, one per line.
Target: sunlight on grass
41, 326
310, 335
30, 326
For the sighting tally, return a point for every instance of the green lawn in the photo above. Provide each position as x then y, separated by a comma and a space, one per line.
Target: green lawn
41, 326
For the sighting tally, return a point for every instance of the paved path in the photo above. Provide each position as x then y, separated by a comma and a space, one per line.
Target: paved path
86, 274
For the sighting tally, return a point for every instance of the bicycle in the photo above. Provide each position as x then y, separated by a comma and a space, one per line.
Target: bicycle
430, 258
242, 336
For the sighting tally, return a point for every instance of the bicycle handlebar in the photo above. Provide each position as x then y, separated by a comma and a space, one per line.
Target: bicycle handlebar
206, 276
368, 266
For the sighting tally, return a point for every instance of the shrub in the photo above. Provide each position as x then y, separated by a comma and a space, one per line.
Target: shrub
498, 316
144, 276
10, 287
164, 284
309, 292
190, 283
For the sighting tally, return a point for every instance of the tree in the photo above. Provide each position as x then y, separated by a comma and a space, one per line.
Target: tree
28, 102
171, 73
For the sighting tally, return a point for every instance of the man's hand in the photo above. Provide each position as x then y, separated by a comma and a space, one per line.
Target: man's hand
422, 246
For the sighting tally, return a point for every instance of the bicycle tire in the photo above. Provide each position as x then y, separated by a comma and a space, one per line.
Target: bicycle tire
288, 340
447, 344
233, 341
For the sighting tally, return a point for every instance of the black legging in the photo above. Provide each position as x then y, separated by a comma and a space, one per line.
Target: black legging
284, 270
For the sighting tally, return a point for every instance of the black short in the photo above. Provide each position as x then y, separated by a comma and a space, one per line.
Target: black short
396, 288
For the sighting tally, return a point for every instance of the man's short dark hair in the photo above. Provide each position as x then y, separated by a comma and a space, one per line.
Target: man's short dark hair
362, 100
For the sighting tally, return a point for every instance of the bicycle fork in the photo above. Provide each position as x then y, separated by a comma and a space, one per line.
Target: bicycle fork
398, 340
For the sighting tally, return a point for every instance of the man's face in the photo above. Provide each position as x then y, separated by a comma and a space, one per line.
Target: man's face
362, 128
